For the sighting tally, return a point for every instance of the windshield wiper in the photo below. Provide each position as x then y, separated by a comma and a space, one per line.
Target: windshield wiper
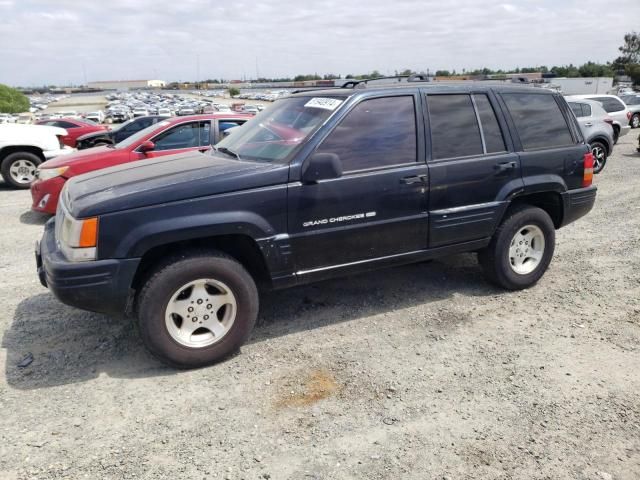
231, 153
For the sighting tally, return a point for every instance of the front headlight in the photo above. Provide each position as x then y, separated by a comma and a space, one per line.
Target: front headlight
48, 173
78, 238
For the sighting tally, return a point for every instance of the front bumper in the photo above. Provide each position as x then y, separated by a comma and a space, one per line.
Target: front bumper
99, 286
577, 203
48, 154
45, 194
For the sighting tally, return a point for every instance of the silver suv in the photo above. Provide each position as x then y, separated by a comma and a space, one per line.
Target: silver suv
633, 104
597, 129
616, 109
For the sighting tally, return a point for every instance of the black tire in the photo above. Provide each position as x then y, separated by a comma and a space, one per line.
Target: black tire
616, 134
495, 258
599, 151
167, 279
11, 159
635, 120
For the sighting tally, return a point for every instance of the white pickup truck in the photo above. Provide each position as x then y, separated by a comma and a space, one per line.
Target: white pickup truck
24, 147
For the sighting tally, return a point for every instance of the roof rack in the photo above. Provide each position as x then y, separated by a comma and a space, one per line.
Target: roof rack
414, 77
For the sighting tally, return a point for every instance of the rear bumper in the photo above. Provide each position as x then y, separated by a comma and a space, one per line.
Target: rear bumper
99, 286
624, 129
577, 203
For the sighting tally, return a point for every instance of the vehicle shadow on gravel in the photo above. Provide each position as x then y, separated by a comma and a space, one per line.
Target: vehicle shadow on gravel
69, 345
34, 218
339, 300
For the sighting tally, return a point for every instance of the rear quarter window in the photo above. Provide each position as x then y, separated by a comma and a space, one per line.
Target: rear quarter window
538, 120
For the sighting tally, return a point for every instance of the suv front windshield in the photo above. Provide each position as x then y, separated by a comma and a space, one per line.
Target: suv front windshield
273, 134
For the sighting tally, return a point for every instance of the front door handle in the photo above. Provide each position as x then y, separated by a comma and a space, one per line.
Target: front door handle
414, 179
503, 167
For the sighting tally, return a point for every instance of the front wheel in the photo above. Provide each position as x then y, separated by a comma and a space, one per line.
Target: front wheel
521, 248
19, 169
196, 310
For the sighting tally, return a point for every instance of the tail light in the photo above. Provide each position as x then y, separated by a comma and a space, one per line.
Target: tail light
608, 120
628, 115
587, 178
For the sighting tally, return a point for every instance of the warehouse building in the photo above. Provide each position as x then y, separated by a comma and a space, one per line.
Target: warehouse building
126, 84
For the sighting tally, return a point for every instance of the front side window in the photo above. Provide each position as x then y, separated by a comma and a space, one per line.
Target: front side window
187, 135
454, 127
378, 132
538, 119
275, 133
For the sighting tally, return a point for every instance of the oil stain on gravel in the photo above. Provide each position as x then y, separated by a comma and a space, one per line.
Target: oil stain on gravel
308, 390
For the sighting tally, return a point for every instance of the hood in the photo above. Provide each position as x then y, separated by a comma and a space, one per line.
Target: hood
99, 133
79, 161
166, 179
13, 133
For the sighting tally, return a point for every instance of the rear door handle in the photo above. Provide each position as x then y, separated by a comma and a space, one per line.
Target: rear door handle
503, 167
414, 179
588, 124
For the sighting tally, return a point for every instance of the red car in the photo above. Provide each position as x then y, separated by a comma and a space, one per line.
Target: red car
168, 137
75, 128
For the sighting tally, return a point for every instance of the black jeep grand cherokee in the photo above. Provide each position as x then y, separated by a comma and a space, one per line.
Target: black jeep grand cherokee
321, 184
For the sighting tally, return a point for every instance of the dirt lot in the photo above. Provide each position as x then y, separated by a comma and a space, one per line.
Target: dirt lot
418, 372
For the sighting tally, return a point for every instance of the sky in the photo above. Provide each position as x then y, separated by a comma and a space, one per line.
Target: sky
63, 42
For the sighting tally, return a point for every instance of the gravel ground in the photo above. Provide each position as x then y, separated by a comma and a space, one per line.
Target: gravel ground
423, 371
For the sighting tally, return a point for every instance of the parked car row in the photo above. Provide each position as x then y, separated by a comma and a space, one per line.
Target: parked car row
163, 136
124, 106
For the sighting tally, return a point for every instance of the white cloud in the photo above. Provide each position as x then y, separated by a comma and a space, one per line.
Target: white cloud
55, 42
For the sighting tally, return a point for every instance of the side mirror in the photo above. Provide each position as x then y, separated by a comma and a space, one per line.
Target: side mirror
321, 166
229, 131
146, 146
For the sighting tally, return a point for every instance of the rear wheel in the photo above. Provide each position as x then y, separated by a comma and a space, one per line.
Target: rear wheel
19, 169
616, 134
521, 248
599, 151
195, 310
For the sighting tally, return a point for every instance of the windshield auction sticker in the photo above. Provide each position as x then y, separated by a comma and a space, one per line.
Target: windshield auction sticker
323, 102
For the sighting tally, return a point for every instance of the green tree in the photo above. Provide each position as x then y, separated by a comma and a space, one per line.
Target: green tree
633, 70
591, 69
233, 91
630, 50
443, 73
12, 100
375, 74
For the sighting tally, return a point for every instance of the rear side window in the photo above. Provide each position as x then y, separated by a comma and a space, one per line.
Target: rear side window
610, 104
586, 110
576, 108
454, 127
378, 132
491, 133
67, 125
538, 119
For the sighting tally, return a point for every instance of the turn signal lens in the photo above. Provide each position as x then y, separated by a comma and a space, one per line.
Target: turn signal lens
89, 233
587, 178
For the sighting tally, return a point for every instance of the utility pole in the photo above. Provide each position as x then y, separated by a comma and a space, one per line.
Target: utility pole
197, 70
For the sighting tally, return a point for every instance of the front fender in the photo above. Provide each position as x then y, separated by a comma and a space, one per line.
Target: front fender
155, 232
